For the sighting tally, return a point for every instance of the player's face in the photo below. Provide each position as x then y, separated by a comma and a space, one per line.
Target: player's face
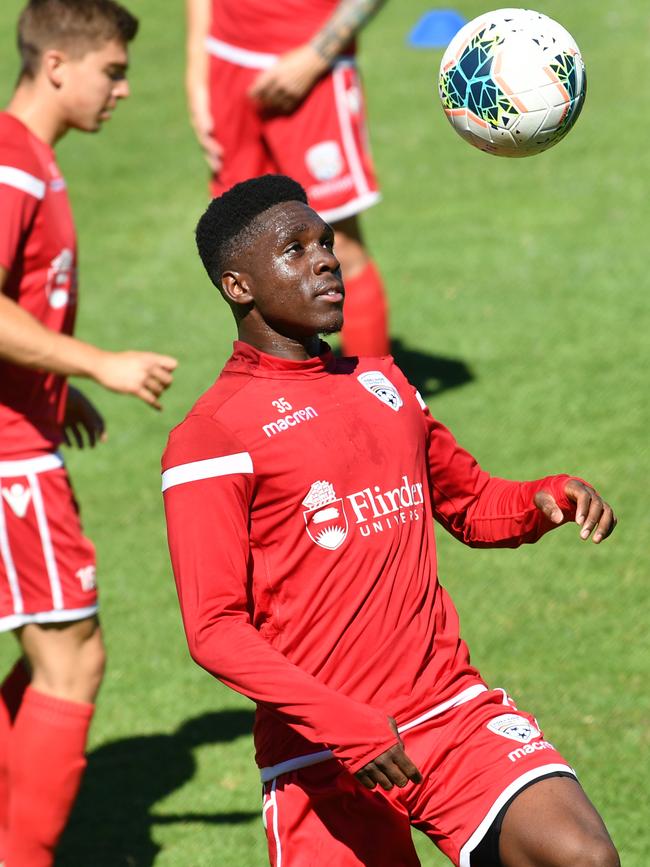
294, 277
92, 85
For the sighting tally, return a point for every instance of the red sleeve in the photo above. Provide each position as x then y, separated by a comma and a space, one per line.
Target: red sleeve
484, 511
208, 482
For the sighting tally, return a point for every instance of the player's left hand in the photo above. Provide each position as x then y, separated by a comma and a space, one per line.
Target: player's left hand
592, 512
284, 85
81, 415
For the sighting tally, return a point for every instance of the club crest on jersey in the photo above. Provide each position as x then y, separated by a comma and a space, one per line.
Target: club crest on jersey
515, 727
325, 519
382, 388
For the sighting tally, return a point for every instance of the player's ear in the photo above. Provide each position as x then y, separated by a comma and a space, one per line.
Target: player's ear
53, 66
235, 287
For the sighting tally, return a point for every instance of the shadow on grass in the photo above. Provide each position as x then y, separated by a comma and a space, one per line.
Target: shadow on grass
430, 374
112, 820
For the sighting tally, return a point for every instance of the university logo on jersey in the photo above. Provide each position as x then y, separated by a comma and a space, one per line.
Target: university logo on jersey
376, 383
515, 727
325, 519
18, 497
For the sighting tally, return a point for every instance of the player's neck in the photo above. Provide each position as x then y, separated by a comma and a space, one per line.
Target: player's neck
38, 112
272, 343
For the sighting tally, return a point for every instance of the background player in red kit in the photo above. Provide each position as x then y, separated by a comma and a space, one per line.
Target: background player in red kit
300, 493
273, 87
74, 62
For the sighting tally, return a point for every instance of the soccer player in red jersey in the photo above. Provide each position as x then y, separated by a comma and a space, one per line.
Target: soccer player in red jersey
74, 63
273, 87
300, 496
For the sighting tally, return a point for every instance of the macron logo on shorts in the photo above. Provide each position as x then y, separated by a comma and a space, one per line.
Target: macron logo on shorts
18, 497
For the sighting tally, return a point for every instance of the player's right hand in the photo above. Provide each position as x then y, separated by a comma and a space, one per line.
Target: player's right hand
391, 768
143, 374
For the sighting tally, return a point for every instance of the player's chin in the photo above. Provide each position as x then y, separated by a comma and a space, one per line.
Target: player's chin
334, 325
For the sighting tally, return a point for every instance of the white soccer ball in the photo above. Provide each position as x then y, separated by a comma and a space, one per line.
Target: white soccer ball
512, 82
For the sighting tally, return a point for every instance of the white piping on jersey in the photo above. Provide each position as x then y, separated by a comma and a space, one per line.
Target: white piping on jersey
254, 59
227, 465
295, 764
13, 621
10, 566
46, 542
347, 134
30, 466
504, 797
23, 181
356, 206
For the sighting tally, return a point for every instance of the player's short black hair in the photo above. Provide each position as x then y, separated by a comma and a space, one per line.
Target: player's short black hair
225, 223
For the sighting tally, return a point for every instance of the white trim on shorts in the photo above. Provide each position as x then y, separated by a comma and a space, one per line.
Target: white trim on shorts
41, 464
14, 621
298, 762
256, 59
504, 797
46, 542
356, 206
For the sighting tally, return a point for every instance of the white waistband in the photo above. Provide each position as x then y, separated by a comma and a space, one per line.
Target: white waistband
295, 764
27, 466
254, 59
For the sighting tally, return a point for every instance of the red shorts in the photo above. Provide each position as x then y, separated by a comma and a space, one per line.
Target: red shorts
323, 144
473, 759
47, 566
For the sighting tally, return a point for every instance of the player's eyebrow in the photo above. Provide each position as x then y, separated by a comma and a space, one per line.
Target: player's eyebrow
292, 231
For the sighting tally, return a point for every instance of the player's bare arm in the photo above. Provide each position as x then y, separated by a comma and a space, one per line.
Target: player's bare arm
287, 83
391, 768
593, 514
24, 341
196, 81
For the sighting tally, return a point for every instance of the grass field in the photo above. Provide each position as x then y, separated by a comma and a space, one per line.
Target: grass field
519, 292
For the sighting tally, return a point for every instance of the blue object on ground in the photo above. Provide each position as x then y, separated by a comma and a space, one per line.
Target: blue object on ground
436, 28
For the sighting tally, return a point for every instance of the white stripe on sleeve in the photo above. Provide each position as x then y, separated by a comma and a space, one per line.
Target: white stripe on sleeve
228, 465
21, 180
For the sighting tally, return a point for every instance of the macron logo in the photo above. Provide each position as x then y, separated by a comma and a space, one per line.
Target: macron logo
289, 420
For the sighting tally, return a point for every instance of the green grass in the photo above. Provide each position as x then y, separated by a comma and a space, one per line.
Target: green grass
532, 273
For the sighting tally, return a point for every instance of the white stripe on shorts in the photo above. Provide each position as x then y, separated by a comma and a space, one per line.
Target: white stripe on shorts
23, 181
347, 134
46, 542
228, 465
504, 797
272, 805
8, 560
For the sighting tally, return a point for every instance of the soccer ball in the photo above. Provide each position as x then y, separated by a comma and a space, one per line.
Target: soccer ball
512, 82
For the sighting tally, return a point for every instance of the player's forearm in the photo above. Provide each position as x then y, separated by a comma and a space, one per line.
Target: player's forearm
24, 341
198, 27
350, 17
233, 651
504, 514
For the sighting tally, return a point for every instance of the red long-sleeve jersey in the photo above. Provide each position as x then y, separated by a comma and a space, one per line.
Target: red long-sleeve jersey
300, 500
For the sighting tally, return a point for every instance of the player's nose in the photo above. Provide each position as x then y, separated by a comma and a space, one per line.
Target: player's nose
326, 261
122, 89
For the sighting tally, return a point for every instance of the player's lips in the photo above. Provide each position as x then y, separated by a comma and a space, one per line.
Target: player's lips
332, 291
